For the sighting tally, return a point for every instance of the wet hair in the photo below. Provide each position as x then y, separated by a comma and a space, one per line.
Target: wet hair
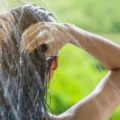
23, 77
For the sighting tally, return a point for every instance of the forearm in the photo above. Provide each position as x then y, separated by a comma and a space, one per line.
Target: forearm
100, 104
104, 50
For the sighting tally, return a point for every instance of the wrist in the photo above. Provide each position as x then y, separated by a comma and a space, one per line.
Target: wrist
73, 32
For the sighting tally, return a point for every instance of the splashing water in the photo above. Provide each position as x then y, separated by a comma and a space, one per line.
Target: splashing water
23, 81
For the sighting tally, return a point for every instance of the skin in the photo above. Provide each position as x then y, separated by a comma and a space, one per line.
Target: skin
5, 25
103, 101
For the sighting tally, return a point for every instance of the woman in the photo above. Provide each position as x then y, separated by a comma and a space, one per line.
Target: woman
23, 83
102, 102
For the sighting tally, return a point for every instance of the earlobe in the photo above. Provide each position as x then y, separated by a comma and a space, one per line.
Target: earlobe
53, 67
54, 64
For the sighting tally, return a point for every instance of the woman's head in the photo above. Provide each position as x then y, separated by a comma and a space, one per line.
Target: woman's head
24, 76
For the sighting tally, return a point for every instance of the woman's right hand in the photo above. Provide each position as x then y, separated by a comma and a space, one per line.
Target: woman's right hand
54, 35
6, 21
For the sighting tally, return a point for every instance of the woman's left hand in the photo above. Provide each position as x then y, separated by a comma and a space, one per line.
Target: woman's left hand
54, 35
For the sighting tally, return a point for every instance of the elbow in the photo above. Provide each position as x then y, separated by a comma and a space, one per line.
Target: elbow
113, 67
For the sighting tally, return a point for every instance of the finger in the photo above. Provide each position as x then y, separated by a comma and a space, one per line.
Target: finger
31, 28
31, 36
52, 49
7, 16
41, 36
10, 17
3, 36
55, 46
36, 43
5, 26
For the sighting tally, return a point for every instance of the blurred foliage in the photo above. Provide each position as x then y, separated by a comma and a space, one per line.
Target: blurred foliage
93, 15
78, 73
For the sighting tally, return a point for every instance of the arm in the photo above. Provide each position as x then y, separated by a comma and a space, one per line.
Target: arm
105, 98
57, 35
104, 50
100, 104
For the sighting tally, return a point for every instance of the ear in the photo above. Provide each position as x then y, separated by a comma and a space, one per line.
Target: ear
53, 67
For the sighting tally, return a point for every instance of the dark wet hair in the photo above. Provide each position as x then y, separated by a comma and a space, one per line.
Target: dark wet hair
23, 77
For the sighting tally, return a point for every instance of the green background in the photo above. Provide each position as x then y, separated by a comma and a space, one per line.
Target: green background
78, 73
